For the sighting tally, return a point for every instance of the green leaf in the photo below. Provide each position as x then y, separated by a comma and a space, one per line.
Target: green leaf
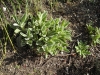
91, 29
24, 35
23, 20
65, 23
44, 16
16, 19
29, 34
17, 31
29, 42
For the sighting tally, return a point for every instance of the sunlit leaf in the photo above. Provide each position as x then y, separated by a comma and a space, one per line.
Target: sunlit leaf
23, 34
17, 31
23, 20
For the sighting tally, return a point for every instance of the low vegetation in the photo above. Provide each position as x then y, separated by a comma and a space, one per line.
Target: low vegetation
46, 36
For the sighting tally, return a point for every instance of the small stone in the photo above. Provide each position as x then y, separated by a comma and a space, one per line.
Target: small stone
4, 8
62, 52
15, 24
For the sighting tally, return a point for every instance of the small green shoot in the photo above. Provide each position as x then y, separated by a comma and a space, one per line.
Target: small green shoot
94, 34
82, 49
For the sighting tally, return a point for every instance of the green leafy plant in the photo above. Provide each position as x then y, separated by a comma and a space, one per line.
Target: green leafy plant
82, 49
53, 34
94, 33
48, 36
20, 22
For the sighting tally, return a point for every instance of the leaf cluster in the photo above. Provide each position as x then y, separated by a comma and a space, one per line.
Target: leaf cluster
49, 36
82, 49
94, 34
